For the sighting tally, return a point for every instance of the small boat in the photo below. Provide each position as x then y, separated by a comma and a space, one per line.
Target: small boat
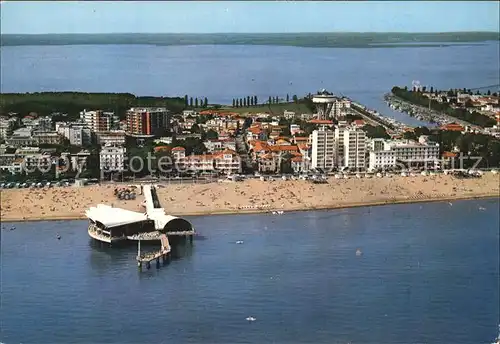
239, 242
58, 237
358, 252
482, 208
451, 204
250, 319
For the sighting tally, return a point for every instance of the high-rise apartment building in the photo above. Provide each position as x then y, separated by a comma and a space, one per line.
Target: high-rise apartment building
323, 153
354, 149
99, 120
147, 121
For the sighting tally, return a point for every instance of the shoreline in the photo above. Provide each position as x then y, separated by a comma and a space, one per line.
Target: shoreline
269, 210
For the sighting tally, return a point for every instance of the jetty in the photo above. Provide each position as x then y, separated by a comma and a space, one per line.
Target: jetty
168, 224
109, 224
161, 255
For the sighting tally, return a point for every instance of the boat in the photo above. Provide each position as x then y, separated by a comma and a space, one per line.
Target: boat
239, 242
250, 319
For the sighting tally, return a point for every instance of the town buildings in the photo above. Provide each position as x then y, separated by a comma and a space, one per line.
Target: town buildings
112, 159
78, 134
99, 120
7, 126
323, 155
111, 138
387, 154
354, 149
147, 121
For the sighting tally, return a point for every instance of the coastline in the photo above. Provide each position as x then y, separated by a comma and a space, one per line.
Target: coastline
188, 209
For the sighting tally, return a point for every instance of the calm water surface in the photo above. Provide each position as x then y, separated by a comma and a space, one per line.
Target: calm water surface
222, 73
429, 273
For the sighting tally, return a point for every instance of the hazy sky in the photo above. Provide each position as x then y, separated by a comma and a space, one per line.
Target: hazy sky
242, 16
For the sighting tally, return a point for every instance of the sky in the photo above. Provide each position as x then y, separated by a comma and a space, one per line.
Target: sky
39, 17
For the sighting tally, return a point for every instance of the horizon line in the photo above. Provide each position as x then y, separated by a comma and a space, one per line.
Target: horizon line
243, 33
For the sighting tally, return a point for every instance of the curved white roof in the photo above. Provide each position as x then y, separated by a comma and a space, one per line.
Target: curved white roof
113, 217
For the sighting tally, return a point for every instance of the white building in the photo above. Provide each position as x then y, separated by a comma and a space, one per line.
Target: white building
78, 134
7, 126
112, 158
340, 107
294, 129
323, 155
99, 120
406, 152
111, 138
354, 149
44, 124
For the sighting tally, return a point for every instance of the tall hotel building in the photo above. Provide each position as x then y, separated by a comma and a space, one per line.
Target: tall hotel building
99, 120
147, 121
323, 155
355, 149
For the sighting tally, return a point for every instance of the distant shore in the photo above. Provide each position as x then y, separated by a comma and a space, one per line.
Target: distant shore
311, 40
252, 196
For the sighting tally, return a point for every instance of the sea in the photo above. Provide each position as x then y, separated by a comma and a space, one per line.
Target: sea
427, 273
224, 72
410, 273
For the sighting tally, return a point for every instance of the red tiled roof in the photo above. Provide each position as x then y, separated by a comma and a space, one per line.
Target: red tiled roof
288, 148
449, 155
178, 149
321, 121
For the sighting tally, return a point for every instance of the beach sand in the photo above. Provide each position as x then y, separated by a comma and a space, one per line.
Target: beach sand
248, 196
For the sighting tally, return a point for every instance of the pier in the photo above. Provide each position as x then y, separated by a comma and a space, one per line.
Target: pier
162, 255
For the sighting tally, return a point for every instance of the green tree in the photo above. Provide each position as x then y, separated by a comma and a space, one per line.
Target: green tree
295, 99
206, 102
255, 100
287, 98
488, 93
270, 100
375, 131
195, 128
234, 103
248, 100
191, 102
211, 135
432, 89
186, 100
196, 102
244, 102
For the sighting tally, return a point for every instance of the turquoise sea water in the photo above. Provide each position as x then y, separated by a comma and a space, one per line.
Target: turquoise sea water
429, 273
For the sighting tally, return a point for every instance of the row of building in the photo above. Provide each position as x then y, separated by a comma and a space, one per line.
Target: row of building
339, 147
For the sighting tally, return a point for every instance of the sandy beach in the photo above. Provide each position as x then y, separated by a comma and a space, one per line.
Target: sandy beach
248, 196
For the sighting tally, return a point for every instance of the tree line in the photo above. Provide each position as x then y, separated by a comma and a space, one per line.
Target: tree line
195, 102
71, 103
452, 92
